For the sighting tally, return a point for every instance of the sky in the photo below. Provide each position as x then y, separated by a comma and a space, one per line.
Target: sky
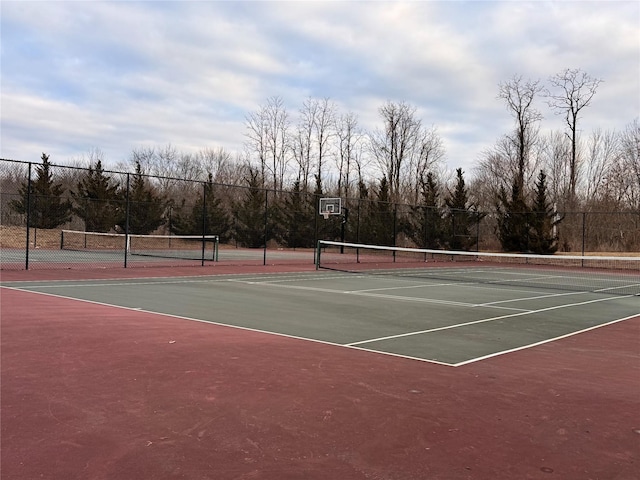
81, 76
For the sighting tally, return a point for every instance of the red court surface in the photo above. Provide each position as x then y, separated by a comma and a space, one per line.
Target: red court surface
98, 392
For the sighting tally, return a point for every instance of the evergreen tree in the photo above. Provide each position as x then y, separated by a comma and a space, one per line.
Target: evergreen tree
217, 220
543, 240
513, 219
462, 216
146, 209
250, 214
181, 221
380, 218
98, 201
424, 224
48, 208
364, 207
189, 221
297, 219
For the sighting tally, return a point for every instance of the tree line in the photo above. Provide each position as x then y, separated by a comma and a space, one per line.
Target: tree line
251, 215
529, 180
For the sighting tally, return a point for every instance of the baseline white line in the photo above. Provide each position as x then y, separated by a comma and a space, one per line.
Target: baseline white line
150, 281
115, 284
542, 342
475, 322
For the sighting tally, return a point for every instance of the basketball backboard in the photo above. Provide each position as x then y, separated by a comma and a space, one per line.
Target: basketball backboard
330, 206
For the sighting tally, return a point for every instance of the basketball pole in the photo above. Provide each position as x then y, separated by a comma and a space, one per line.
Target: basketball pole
345, 217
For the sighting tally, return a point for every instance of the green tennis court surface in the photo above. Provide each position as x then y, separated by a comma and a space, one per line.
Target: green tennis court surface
452, 322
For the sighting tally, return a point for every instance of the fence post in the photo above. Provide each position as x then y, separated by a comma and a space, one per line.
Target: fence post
36, 222
358, 222
26, 257
266, 225
126, 225
477, 232
316, 212
584, 231
204, 221
395, 229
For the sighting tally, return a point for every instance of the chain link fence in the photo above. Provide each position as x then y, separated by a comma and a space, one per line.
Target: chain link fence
250, 225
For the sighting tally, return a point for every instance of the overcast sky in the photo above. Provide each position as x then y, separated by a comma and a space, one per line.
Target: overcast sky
115, 76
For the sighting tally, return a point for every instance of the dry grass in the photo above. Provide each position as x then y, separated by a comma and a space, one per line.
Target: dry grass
15, 237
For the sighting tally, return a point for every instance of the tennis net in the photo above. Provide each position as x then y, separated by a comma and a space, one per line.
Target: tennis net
187, 247
604, 274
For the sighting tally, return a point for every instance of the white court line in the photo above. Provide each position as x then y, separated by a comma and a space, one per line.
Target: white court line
550, 295
269, 280
89, 283
542, 342
539, 276
323, 342
181, 317
430, 300
475, 322
466, 285
619, 287
376, 295
425, 285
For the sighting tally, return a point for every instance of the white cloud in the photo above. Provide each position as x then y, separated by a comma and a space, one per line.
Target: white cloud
115, 75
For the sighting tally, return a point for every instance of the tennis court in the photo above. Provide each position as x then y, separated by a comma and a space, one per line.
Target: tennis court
396, 373
446, 322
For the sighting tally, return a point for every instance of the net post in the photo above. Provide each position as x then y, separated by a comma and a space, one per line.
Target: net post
216, 248
61, 239
584, 233
318, 250
203, 249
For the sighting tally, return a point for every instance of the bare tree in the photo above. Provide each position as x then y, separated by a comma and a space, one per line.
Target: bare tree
172, 167
556, 153
267, 140
348, 138
257, 138
361, 160
492, 171
429, 153
500, 165
216, 162
324, 123
519, 96
301, 142
603, 150
395, 145
144, 157
278, 126
573, 91
626, 173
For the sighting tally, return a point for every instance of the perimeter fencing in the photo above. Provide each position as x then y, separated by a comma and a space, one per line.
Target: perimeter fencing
254, 225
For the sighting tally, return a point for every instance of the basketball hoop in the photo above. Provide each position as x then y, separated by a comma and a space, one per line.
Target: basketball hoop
330, 206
